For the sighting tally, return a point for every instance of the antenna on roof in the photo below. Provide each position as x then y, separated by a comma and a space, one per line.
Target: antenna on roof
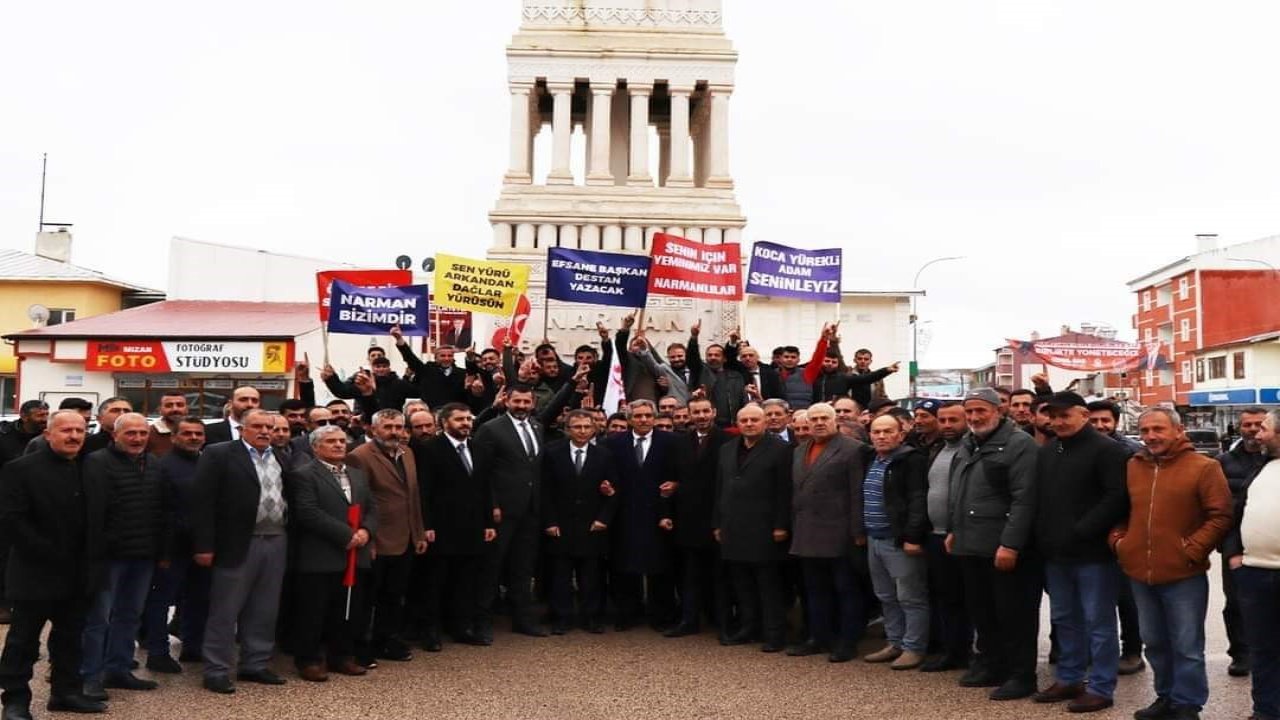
44, 167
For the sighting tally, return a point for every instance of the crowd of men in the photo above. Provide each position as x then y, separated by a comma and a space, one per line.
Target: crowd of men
725, 493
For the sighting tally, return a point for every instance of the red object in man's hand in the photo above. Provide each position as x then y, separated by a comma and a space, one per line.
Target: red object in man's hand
353, 519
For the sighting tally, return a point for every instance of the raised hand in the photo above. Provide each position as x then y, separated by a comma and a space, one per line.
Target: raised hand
398, 334
327, 372
695, 328
629, 320
302, 370
603, 330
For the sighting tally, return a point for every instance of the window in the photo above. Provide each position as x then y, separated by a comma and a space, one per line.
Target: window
1150, 378
1184, 330
1146, 299
1218, 367
57, 316
1186, 372
1184, 287
1237, 365
205, 396
1146, 334
1200, 370
8, 394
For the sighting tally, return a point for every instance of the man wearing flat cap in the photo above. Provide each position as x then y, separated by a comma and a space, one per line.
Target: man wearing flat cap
992, 507
1081, 495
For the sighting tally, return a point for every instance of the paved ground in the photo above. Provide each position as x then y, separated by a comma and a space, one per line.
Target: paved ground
637, 674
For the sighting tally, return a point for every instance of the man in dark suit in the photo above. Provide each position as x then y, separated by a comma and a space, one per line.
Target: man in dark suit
648, 473
393, 478
457, 510
508, 454
698, 552
243, 399
751, 523
576, 517
322, 492
762, 381
238, 529
53, 522
828, 535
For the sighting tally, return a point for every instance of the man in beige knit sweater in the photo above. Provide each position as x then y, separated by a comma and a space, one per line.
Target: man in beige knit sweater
1253, 551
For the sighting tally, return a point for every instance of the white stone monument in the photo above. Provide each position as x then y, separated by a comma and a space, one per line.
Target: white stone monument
617, 68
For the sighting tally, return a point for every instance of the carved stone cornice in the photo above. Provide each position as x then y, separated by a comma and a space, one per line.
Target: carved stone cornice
617, 17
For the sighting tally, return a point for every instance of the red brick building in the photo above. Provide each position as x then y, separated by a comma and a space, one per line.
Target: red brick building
1215, 297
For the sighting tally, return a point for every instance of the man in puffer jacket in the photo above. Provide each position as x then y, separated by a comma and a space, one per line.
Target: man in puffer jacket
1180, 509
137, 531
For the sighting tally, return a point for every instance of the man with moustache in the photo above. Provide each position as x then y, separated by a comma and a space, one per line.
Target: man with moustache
137, 525
1179, 510
1080, 496
752, 524
173, 408
393, 479
992, 506
52, 520
238, 530
323, 492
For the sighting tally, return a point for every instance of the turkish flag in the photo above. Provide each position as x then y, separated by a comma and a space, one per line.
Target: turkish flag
515, 329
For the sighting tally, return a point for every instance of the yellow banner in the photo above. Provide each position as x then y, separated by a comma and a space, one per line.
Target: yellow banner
480, 286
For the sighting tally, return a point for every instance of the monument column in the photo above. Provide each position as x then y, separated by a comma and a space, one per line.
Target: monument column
562, 130
718, 177
639, 171
678, 163
601, 97
518, 169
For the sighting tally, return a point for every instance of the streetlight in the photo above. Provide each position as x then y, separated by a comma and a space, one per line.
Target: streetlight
914, 370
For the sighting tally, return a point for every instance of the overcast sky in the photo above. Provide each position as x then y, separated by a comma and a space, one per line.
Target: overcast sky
1063, 147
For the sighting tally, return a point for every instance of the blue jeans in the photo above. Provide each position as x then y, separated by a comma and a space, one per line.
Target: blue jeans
901, 584
112, 623
1172, 618
1082, 604
1258, 592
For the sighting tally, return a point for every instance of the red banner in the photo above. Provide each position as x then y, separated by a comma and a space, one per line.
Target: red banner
126, 355
1091, 357
684, 268
360, 278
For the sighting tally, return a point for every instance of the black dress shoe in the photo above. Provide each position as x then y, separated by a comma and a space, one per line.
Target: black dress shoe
1159, 710
470, 637
163, 664
773, 647
74, 703
128, 681
1239, 667
530, 630
841, 654
807, 648
742, 637
1014, 689
262, 677
559, 628
93, 690
980, 674
681, 630
431, 642
220, 684
595, 627
16, 711
941, 664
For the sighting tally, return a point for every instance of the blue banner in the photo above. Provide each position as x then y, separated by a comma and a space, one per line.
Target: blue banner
374, 311
597, 278
784, 271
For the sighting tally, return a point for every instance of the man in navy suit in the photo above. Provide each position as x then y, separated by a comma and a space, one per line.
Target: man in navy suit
576, 517
648, 467
508, 453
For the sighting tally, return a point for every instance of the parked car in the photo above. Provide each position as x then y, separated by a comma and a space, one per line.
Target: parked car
1205, 441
